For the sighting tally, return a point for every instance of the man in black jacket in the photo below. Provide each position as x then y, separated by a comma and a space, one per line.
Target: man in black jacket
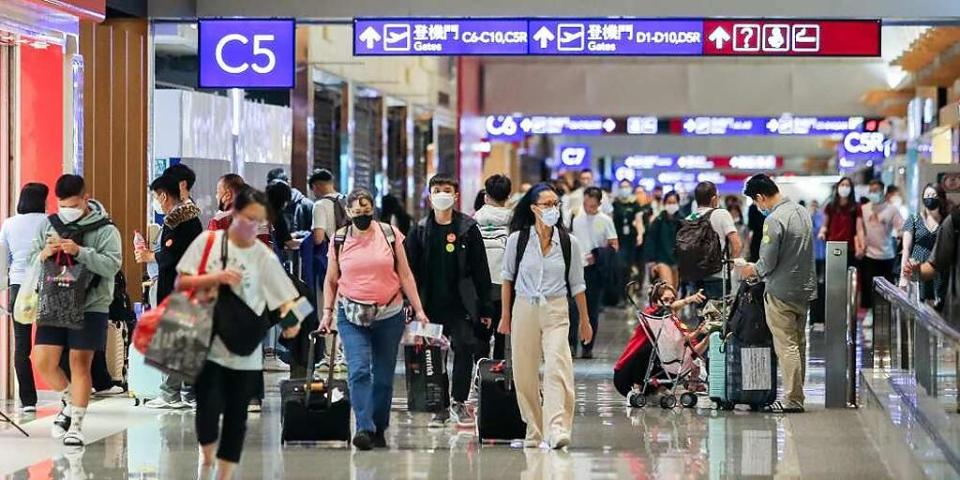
449, 261
181, 225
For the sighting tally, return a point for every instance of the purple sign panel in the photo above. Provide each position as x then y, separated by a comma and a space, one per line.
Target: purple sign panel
783, 125
616, 37
246, 53
439, 37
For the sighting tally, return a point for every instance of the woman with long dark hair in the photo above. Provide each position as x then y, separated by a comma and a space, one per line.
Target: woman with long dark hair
920, 235
661, 238
537, 280
16, 242
840, 218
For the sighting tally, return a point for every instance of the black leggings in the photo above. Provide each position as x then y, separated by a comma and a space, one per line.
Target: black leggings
227, 392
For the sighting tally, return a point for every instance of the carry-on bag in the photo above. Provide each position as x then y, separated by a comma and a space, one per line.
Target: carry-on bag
426, 377
314, 411
498, 415
63, 290
749, 370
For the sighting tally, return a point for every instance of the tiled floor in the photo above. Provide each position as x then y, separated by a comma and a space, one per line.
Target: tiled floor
610, 441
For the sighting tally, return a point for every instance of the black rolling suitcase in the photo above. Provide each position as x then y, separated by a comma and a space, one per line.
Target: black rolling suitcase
498, 415
314, 411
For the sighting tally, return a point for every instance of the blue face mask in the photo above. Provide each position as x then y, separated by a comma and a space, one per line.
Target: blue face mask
763, 211
875, 197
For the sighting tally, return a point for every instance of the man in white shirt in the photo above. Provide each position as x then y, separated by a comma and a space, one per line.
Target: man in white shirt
597, 235
876, 226
708, 203
328, 215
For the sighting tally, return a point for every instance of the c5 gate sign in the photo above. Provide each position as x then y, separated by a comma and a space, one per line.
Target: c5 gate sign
615, 36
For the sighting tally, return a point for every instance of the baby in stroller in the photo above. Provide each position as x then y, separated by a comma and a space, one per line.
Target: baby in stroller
661, 354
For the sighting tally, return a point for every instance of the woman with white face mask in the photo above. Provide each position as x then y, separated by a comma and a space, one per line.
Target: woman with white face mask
920, 235
840, 218
661, 240
542, 268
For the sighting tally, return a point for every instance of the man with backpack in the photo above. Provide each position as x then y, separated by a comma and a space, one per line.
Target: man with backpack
329, 215
446, 252
494, 221
298, 212
786, 265
598, 238
80, 234
705, 241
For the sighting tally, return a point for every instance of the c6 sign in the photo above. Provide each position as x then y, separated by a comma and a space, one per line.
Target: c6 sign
246, 53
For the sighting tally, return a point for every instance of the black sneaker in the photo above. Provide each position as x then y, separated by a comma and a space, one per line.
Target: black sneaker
363, 440
379, 440
587, 355
61, 424
439, 419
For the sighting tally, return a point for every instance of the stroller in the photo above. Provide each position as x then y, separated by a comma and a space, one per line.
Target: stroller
660, 355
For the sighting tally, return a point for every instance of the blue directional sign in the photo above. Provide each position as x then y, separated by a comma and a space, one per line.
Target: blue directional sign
616, 37
439, 37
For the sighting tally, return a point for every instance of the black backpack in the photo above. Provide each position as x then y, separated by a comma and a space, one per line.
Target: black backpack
698, 250
748, 319
340, 217
565, 248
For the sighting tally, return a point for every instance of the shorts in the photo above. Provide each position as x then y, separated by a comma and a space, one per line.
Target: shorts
93, 335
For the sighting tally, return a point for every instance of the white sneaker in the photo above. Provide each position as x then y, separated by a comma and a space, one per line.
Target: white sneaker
559, 441
29, 409
255, 407
74, 438
160, 403
114, 390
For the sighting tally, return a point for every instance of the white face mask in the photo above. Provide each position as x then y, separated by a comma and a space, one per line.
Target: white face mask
550, 216
843, 191
897, 201
157, 206
70, 215
672, 208
442, 201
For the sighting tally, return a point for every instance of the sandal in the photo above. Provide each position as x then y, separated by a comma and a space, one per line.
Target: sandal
779, 407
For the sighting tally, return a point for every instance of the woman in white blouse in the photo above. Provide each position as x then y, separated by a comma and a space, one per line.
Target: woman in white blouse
542, 267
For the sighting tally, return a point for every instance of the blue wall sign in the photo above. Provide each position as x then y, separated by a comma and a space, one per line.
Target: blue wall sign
782, 125
439, 37
574, 156
616, 37
858, 147
246, 53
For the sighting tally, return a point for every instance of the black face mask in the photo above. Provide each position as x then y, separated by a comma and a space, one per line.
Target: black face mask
362, 221
931, 203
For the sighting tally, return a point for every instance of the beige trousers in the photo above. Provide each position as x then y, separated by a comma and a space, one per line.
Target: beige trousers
788, 322
539, 334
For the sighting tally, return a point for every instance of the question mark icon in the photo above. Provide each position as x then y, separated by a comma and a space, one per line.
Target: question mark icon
748, 35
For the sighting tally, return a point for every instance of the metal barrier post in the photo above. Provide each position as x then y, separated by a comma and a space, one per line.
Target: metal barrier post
852, 337
921, 358
836, 358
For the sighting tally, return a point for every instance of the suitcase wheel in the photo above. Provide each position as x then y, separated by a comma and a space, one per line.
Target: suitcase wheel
688, 400
637, 400
668, 401
726, 406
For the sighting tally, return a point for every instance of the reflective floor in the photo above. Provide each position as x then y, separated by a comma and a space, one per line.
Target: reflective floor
609, 441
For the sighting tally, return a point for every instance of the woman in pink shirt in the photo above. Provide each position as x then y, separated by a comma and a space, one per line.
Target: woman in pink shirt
367, 277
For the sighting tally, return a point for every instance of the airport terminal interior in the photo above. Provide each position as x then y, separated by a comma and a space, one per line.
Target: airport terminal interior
828, 133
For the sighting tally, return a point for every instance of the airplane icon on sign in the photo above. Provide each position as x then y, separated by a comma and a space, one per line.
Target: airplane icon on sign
396, 37
570, 37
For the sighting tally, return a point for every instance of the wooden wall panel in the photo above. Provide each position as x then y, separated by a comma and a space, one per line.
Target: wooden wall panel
115, 134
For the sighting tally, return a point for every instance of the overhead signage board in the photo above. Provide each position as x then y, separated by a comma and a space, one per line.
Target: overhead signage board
516, 127
615, 36
864, 146
249, 53
703, 162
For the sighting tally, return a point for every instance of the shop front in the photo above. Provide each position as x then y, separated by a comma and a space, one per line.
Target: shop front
41, 109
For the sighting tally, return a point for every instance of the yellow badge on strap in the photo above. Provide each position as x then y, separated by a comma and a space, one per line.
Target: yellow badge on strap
766, 239
766, 228
450, 248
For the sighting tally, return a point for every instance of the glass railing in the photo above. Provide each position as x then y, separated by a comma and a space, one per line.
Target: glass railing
911, 338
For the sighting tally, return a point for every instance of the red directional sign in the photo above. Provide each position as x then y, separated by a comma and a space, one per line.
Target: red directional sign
773, 38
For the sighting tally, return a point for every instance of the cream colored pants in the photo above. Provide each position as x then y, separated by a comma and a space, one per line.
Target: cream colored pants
539, 333
788, 324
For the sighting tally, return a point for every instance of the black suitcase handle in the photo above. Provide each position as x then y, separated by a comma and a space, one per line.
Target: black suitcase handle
311, 366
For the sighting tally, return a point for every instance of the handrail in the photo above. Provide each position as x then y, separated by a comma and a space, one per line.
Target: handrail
923, 313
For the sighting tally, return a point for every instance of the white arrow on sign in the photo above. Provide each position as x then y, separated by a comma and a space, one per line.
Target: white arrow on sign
544, 36
718, 37
370, 37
